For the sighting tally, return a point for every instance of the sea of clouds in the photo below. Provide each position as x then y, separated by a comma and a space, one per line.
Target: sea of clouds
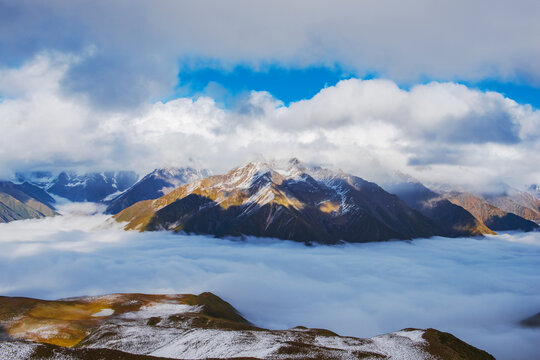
477, 289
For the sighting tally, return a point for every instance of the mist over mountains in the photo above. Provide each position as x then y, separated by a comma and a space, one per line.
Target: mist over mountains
365, 169
290, 200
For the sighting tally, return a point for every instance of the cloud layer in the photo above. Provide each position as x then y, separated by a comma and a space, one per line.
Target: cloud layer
137, 45
438, 131
477, 289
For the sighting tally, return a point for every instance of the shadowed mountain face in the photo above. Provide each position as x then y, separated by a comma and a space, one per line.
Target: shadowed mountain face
23, 201
154, 185
287, 201
93, 187
493, 217
453, 219
138, 326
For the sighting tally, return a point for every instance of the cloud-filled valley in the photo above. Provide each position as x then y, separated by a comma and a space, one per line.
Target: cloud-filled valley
297, 125
477, 289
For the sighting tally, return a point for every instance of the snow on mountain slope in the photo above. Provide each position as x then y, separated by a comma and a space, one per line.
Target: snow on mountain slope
92, 187
286, 200
192, 327
154, 185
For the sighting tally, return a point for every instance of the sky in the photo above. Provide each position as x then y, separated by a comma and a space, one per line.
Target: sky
444, 91
477, 289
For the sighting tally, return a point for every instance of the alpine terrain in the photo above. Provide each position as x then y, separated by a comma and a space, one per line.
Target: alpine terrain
24, 201
154, 185
138, 326
93, 187
282, 200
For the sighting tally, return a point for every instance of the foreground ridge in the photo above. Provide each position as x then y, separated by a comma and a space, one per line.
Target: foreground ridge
140, 326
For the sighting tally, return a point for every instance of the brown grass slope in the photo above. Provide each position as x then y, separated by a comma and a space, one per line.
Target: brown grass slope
493, 217
54, 329
21, 201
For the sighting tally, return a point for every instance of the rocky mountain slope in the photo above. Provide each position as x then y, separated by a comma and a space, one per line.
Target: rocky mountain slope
492, 216
138, 326
282, 200
464, 214
521, 203
154, 185
452, 218
24, 201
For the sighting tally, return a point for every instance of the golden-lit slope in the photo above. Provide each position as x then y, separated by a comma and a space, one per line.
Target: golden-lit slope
289, 202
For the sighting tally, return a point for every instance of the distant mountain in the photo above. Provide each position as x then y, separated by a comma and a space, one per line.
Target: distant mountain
282, 200
522, 203
92, 187
154, 185
535, 190
492, 216
531, 321
453, 219
139, 326
23, 201
39, 178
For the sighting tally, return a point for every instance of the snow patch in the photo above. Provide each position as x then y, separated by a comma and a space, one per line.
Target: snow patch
415, 335
16, 350
161, 310
104, 312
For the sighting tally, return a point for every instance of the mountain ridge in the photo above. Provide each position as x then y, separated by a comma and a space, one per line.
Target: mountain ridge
292, 202
24, 201
157, 183
185, 326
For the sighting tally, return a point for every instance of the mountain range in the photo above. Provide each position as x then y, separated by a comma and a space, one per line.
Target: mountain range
464, 214
282, 199
293, 201
140, 326
92, 187
286, 201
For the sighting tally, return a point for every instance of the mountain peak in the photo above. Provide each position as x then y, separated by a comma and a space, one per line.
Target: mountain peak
282, 199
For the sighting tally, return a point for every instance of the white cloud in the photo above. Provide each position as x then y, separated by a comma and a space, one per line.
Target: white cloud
478, 290
137, 46
438, 132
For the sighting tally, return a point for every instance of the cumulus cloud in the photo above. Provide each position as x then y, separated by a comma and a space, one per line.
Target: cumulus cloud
477, 289
438, 132
138, 44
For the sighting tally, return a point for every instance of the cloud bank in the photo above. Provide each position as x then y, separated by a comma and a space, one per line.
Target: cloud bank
437, 131
138, 47
477, 289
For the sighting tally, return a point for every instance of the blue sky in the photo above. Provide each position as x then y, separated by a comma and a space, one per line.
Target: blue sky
518, 90
285, 84
293, 84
